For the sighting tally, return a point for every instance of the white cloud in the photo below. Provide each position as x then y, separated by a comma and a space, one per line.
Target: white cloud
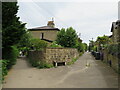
89, 19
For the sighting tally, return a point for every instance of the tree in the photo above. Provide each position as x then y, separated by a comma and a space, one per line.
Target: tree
61, 37
80, 46
12, 31
24, 42
102, 41
85, 46
91, 45
12, 28
67, 38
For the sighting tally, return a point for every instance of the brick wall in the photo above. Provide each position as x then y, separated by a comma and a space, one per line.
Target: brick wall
50, 55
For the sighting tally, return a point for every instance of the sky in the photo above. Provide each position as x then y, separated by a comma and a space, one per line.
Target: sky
89, 19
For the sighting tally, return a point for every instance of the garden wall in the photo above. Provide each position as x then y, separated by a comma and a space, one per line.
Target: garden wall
114, 60
50, 55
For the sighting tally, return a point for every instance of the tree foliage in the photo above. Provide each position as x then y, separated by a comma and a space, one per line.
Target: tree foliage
54, 45
24, 42
85, 46
80, 47
67, 38
37, 44
103, 40
12, 28
12, 32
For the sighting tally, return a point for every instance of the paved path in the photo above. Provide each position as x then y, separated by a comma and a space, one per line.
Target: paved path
97, 75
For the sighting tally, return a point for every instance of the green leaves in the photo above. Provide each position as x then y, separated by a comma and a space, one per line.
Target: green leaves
3, 68
67, 38
38, 44
103, 40
12, 28
54, 44
12, 32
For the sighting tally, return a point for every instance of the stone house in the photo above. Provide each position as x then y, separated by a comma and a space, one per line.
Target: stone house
115, 29
111, 58
47, 33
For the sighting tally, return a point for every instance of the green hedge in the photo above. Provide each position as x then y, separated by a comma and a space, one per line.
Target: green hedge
80, 47
11, 55
37, 44
3, 68
54, 44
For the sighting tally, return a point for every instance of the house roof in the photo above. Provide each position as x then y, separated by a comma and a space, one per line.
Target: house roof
44, 28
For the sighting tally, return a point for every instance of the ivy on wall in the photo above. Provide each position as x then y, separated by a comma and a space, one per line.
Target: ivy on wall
114, 49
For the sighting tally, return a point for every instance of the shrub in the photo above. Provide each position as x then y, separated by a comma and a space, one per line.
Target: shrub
54, 44
11, 55
44, 65
37, 44
95, 48
40, 64
3, 68
80, 47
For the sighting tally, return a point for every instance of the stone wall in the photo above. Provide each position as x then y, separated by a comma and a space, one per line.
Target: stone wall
50, 55
114, 60
116, 31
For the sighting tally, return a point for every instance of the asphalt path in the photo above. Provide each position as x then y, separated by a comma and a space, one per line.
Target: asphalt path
86, 72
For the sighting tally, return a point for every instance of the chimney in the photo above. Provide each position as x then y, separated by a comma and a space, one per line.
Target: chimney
51, 23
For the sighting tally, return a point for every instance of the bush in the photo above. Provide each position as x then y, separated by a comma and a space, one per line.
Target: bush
3, 68
40, 64
37, 44
34, 63
45, 65
11, 55
80, 47
54, 44
94, 48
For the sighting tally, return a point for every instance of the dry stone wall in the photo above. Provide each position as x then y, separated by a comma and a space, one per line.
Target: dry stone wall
50, 55
114, 60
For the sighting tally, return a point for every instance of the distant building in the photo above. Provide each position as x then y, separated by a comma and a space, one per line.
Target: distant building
47, 33
115, 29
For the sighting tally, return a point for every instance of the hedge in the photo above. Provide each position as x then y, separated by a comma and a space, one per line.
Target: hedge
11, 55
3, 68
